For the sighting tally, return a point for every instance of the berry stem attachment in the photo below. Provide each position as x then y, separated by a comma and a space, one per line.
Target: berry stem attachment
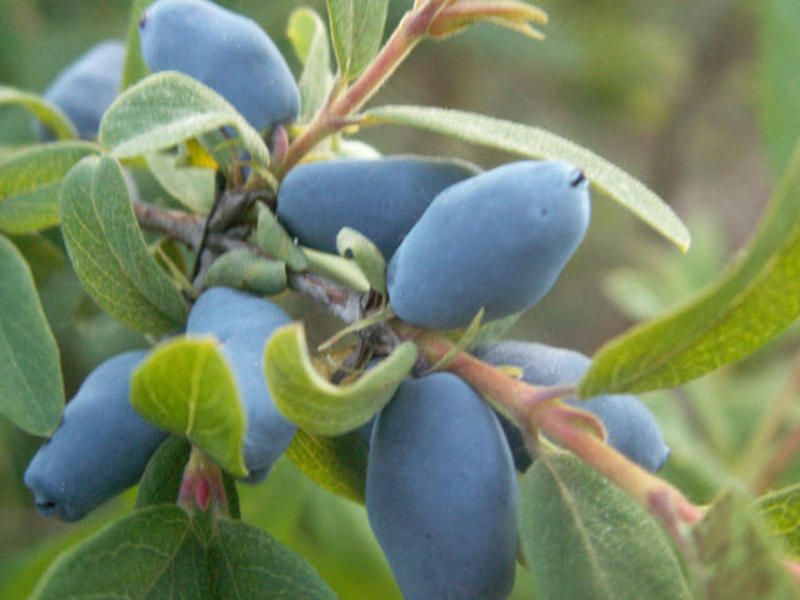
203, 486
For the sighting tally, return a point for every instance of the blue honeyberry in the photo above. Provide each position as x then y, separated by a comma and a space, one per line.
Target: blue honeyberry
441, 492
243, 324
86, 88
631, 428
228, 52
381, 198
496, 241
101, 447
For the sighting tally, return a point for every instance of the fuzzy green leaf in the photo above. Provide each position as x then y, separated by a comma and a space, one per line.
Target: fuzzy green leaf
186, 386
30, 182
315, 404
337, 464
191, 186
357, 31
756, 298
353, 245
47, 113
246, 270
31, 393
337, 268
309, 37
583, 537
108, 252
538, 143
736, 557
167, 108
273, 239
781, 511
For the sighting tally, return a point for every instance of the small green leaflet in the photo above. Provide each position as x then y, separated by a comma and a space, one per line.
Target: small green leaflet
781, 512
779, 47
186, 386
159, 553
108, 252
167, 108
309, 37
47, 113
750, 303
584, 538
736, 557
318, 406
30, 182
538, 143
246, 270
273, 239
134, 68
355, 246
31, 392
357, 31
338, 464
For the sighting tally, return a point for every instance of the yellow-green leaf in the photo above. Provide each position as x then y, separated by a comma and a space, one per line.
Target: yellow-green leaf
47, 113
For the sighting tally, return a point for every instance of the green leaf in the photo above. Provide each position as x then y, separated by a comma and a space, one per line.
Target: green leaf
735, 557
249, 564
246, 270
186, 386
337, 268
273, 239
134, 68
357, 31
31, 393
43, 256
30, 181
159, 553
780, 88
167, 108
463, 341
49, 114
781, 512
355, 246
538, 143
309, 37
583, 537
161, 481
315, 404
108, 252
191, 186
750, 303
338, 464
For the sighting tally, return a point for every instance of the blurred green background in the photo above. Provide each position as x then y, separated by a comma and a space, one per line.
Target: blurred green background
676, 93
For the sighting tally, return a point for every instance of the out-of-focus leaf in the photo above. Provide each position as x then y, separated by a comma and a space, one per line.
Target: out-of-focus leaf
317, 405
736, 556
191, 186
30, 181
309, 37
781, 511
108, 252
538, 143
515, 15
356, 31
47, 113
338, 464
134, 68
585, 538
43, 256
167, 108
780, 87
31, 392
750, 303
186, 386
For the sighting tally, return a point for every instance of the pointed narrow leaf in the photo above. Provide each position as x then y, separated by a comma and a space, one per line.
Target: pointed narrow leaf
781, 512
357, 32
337, 268
30, 182
187, 387
134, 68
512, 14
583, 537
47, 113
338, 464
315, 404
108, 252
353, 245
780, 89
735, 556
308, 35
151, 554
750, 303
247, 563
538, 143
31, 392
167, 108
